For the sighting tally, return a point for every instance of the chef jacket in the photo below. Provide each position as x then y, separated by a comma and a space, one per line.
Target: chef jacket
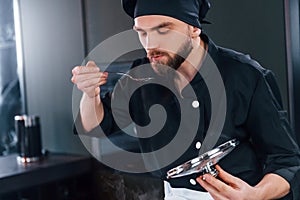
254, 116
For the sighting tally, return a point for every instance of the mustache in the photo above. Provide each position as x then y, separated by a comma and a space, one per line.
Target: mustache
156, 53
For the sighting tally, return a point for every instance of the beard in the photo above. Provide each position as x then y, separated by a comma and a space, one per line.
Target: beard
171, 63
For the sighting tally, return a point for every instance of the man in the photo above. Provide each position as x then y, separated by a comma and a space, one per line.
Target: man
266, 163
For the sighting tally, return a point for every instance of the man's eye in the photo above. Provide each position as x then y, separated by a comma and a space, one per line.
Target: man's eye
142, 33
163, 30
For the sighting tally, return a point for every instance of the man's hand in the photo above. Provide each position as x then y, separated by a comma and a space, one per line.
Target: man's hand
272, 186
228, 188
88, 79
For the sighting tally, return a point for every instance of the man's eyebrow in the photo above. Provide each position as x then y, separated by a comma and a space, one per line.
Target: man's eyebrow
162, 25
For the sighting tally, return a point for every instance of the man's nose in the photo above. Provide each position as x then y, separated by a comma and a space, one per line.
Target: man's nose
152, 41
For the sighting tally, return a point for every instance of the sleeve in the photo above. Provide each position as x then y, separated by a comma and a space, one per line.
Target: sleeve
117, 115
271, 133
108, 126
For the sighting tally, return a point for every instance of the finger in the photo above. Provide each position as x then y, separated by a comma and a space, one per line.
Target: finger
95, 82
218, 185
84, 77
102, 82
228, 178
206, 185
211, 189
93, 91
85, 69
91, 64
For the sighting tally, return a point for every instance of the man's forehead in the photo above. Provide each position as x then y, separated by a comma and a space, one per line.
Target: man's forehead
149, 21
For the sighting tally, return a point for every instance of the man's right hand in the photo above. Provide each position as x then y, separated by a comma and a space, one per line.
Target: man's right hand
88, 78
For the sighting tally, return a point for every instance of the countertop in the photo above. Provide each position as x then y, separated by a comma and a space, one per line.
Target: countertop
15, 176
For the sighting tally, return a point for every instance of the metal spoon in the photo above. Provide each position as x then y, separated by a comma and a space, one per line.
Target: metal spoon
131, 77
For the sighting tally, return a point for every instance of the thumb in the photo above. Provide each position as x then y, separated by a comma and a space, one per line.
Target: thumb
91, 64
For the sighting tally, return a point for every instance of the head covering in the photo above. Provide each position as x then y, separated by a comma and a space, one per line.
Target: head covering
189, 11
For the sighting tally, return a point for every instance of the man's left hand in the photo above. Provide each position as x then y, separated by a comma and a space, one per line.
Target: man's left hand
229, 187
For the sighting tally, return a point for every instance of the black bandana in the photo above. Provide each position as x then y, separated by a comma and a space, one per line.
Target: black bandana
189, 11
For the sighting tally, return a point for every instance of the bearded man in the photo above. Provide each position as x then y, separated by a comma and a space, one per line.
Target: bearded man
266, 163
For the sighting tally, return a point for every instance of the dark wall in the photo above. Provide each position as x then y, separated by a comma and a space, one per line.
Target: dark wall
104, 19
253, 27
292, 12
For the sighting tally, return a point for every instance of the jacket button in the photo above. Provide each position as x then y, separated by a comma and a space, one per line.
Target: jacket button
198, 145
193, 182
195, 104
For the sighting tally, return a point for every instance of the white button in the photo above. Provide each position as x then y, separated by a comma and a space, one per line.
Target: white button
198, 145
193, 182
195, 104
134, 130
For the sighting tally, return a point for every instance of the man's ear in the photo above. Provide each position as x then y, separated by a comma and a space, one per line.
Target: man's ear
195, 31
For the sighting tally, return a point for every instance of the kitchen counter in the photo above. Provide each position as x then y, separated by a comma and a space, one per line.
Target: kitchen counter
65, 176
15, 176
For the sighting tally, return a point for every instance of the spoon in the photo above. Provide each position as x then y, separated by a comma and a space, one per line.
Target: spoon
131, 77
